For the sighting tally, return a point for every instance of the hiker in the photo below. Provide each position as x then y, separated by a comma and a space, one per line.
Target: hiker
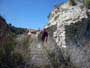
44, 35
29, 33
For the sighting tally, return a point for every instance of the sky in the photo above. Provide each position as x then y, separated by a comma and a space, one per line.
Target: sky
30, 14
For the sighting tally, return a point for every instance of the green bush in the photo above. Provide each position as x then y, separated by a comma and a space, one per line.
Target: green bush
87, 3
9, 59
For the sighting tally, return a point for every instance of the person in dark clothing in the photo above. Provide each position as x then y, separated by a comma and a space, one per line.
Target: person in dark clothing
44, 35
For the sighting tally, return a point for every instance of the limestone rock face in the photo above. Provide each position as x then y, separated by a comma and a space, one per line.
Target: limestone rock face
73, 35
71, 21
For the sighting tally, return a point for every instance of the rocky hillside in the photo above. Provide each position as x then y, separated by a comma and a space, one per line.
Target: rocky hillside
8, 30
4, 31
72, 33
8, 27
8, 57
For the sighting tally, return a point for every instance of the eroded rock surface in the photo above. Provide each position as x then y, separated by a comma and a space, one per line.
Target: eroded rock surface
73, 35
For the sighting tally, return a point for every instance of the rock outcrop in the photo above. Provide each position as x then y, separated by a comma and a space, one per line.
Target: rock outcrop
73, 34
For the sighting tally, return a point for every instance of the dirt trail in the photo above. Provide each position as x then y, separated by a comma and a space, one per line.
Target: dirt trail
41, 53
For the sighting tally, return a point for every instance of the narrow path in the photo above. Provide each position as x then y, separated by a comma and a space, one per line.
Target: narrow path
44, 55
39, 56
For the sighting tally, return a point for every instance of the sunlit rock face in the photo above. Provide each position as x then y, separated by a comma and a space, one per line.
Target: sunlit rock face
73, 35
71, 22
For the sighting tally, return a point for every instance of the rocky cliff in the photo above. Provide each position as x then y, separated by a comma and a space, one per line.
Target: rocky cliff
73, 34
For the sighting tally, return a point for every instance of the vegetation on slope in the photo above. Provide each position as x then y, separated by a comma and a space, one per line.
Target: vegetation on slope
9, 58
